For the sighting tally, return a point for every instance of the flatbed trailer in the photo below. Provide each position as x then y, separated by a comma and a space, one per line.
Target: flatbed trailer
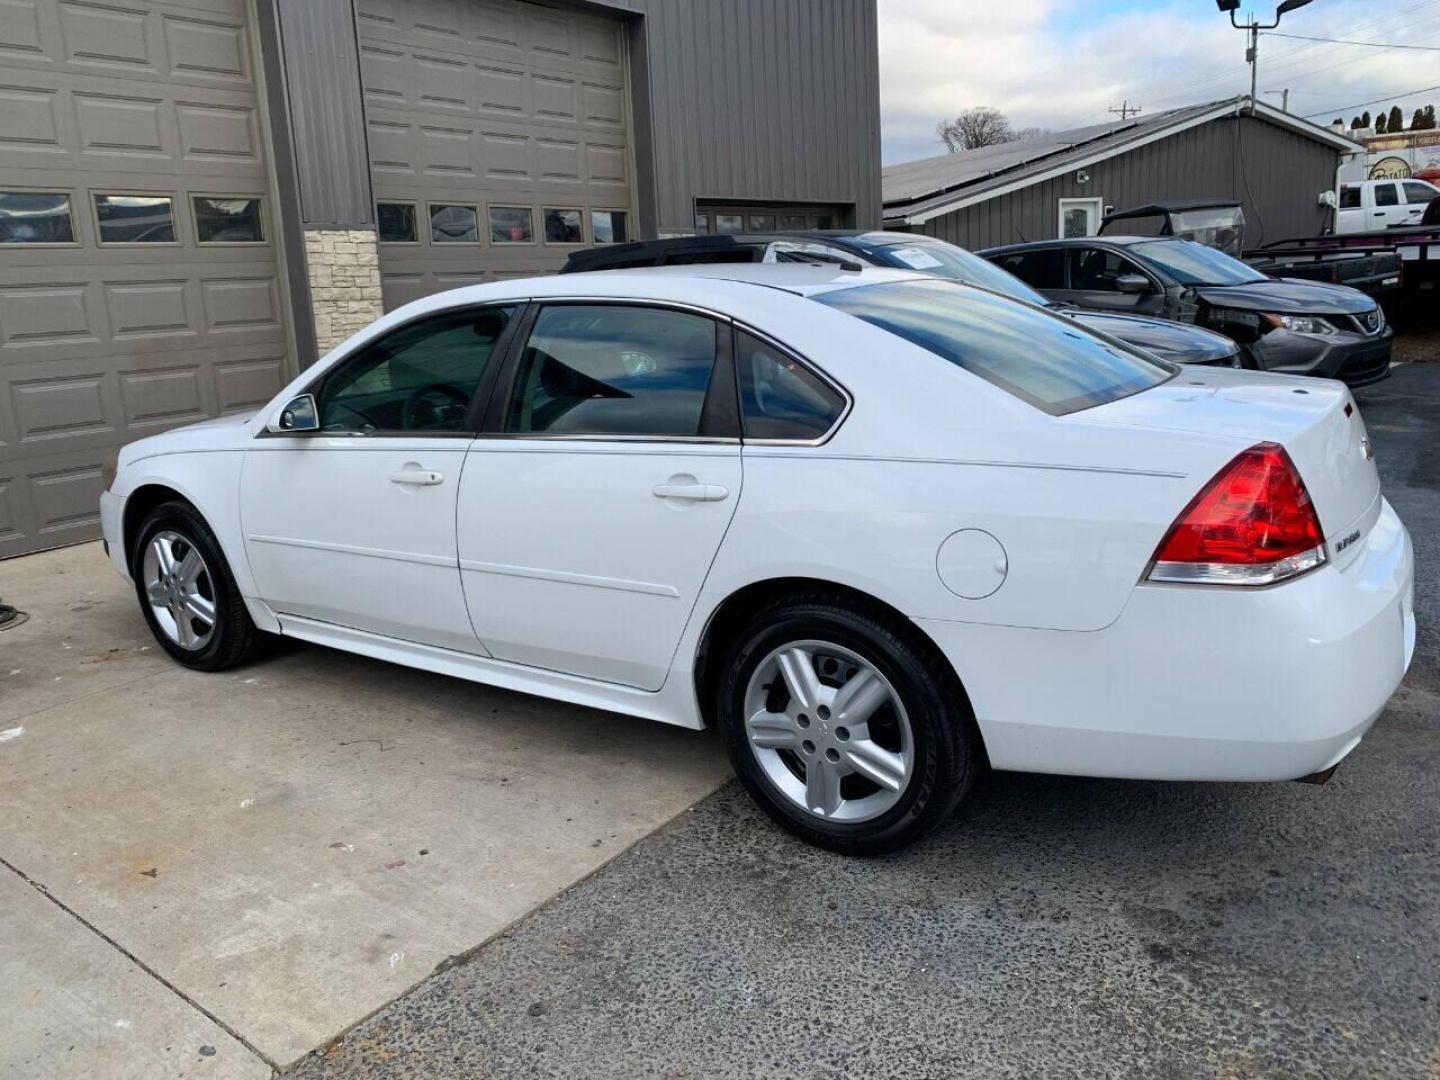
1394, 264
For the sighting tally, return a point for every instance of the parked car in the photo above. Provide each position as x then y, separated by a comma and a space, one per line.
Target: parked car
879, 528
1176, 342
1382, 204
1286, 325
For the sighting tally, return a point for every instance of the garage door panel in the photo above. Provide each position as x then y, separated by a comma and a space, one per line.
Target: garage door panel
101, 344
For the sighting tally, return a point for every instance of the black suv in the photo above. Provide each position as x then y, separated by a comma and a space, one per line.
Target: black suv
905, 251
1281, 324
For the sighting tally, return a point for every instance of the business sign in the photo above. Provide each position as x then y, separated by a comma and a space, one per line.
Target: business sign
1390, 168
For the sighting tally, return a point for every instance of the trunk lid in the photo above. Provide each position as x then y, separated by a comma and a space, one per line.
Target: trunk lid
1316, 420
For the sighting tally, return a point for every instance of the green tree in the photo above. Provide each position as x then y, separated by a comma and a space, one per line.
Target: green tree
1430, 116
1354, 123
1380, 123
1365, 118
1417, 122
1397, 119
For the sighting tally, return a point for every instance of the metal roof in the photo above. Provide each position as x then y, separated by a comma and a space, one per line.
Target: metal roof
917, 191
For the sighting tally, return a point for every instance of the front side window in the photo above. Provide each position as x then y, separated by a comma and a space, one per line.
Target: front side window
1387, 195
1190, 263
1349, 198
563, 227
34, 218
227, 221
453, 225
1418, 193
598, 369
135, 219
1098, 269
511, 225
1044, 269
395, 222
1047, 360
418, 379
779, 397
608, 226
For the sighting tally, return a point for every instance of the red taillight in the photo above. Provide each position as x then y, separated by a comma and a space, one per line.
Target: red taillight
1253, 524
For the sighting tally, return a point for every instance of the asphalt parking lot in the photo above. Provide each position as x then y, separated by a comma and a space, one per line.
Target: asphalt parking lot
1057, 927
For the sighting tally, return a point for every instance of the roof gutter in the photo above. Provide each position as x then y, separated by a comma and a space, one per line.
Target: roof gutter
1234, 107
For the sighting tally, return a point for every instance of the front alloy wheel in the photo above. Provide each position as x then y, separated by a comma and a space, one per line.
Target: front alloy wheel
180, 591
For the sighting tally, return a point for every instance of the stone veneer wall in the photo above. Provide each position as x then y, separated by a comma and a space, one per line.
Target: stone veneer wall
344, 270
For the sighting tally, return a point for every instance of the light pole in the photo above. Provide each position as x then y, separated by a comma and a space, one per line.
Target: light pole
1252, 54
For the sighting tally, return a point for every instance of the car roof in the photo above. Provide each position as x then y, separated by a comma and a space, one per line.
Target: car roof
802, 279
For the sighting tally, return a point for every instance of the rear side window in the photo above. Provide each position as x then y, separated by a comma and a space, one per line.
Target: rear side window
598, 369
779, 397
1040, 269
1044, 359
1387, 195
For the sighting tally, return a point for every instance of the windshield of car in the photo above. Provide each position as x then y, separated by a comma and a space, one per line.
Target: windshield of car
1190, 263
1047, 360
946, 260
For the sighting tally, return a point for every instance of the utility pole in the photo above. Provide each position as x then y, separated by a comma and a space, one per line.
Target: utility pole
1253, 28
1125, 110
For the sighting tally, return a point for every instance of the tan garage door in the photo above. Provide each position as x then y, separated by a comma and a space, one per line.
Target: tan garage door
137, 279
497, 138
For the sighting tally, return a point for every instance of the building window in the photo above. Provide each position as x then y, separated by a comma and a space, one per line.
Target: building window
220, 220
395, 222
702, 224
1080, 217
824, 221
792, 222
762, 222
564, 227
608, 226
511, 225
454, 225
28, 217
729, 223
135, 219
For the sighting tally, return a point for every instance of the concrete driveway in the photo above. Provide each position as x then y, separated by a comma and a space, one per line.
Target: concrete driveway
213, 874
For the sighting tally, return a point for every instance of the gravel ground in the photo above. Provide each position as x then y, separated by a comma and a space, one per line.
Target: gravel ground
1417, 345
1057, 927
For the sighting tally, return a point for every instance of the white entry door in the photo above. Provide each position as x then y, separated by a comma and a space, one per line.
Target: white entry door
1080, 217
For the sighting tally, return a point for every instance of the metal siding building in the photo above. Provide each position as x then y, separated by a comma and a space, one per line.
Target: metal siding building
198, 197
1275, 165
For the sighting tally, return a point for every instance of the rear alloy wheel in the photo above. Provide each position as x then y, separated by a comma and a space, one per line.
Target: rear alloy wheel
845, 726
187, 593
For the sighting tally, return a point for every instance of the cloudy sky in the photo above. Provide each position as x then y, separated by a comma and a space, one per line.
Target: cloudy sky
1063, 63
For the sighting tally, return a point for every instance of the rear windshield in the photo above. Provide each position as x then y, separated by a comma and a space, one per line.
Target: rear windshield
1047, 360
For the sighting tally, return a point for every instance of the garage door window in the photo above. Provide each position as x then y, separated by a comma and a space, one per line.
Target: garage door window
608, 226
454, 225
511, 225
564, 227
618, 370
135, 219
395, 222
222, 220
28, 217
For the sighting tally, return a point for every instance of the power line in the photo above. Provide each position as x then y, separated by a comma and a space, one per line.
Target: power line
1373, 101
1343, 41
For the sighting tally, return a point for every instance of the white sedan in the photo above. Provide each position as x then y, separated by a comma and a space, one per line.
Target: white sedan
877, 528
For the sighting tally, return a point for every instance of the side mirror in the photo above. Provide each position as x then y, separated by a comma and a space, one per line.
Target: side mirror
1132, 283
300, 414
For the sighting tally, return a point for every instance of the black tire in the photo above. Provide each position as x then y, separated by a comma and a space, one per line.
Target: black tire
234, 637
947, 748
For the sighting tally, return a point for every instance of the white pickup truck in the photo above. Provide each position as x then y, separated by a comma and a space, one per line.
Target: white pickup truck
1366, 205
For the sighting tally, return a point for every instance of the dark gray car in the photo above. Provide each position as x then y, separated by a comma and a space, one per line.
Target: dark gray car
1281, 324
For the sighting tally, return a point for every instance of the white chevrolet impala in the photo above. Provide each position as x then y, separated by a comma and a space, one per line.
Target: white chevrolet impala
879, 529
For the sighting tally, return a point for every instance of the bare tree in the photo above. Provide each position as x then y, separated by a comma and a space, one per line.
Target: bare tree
1024, 134
980, 126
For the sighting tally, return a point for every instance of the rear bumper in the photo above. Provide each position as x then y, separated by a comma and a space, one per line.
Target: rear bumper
1355, 359
1201, 683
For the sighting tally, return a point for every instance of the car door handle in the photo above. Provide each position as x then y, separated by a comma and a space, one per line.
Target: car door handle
417, 477
694, 492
